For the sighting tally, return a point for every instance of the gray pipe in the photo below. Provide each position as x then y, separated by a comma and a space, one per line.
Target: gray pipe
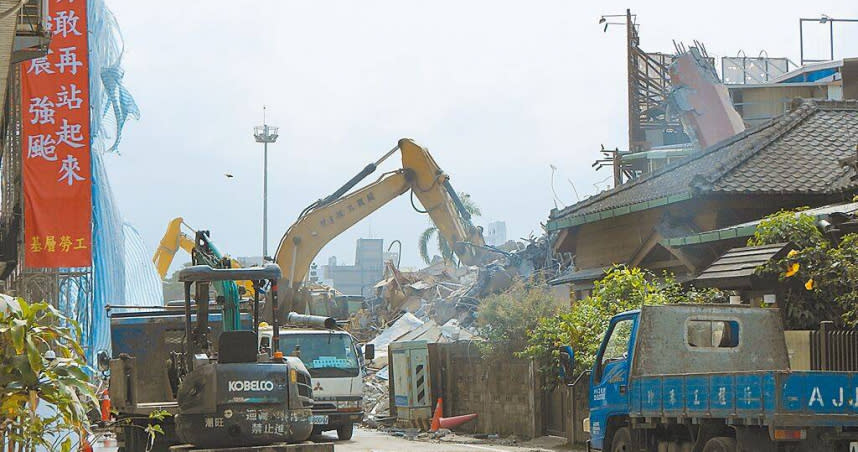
312, 321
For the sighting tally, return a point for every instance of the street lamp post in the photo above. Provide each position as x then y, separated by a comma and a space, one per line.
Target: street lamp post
265, 134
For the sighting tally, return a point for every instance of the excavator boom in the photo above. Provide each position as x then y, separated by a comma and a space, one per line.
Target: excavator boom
327, 218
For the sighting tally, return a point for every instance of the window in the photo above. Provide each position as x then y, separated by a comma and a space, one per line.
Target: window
324, 354
712, 333
617, 347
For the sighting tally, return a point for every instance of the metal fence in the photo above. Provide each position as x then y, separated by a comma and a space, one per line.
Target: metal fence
834, 349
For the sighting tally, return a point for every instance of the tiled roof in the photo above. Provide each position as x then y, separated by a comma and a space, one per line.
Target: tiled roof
797, 153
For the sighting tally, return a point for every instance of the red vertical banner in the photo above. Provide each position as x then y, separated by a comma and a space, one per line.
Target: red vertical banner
55, 144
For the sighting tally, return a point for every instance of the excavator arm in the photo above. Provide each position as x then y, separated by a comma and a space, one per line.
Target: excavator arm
432, 187
175, 239
327, 218
303, 241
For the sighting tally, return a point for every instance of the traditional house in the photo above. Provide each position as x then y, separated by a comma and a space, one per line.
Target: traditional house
803, 158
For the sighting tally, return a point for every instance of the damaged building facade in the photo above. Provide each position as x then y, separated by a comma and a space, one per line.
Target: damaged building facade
798, 159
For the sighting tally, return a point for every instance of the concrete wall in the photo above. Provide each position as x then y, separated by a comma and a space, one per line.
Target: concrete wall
578, 401
506, 396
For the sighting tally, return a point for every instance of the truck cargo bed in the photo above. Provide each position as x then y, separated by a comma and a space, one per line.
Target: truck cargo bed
778, 398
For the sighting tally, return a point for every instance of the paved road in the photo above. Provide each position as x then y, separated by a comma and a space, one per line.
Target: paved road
374, 441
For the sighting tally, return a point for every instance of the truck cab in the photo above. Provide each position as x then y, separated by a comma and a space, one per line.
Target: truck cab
335, 364
712, 378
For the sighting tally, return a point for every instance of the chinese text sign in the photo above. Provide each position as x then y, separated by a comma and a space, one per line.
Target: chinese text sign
55, 144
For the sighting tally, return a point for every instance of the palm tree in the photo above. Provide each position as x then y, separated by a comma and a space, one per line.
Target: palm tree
444, 247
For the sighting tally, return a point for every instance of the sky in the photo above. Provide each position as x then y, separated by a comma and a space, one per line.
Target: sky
498, 91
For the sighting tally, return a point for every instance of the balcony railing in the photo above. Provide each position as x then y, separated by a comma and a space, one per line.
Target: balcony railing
32, 35
33, 18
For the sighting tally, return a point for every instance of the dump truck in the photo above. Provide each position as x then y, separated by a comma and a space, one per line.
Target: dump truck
712, 378
336, 365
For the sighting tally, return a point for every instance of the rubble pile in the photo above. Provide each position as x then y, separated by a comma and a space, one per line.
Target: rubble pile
440, 292
436, 304
376, 401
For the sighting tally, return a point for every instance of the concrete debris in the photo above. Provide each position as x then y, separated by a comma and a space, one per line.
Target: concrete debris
403, 325
442, 292
436, 304
376, 402
702, 101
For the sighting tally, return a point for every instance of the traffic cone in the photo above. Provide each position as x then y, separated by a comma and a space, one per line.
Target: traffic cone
85, 445
455, 421
105, 406
436, 418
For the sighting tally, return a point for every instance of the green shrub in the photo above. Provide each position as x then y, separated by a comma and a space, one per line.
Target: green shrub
42, 363
622, 289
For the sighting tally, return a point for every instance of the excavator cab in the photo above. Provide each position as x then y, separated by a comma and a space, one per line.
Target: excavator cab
236, 397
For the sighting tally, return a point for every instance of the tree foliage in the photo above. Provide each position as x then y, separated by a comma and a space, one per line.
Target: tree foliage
444, 248
819, 279
42, 364
506, 319
622, 289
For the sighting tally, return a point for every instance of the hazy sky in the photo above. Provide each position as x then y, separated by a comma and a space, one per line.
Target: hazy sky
497, 90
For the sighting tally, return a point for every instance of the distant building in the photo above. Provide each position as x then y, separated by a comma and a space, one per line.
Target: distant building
360, 278
496, 233
249, 261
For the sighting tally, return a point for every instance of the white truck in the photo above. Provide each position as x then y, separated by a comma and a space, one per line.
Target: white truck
336, 366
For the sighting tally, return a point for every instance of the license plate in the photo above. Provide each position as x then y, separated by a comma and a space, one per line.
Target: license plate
319, 419
853, 446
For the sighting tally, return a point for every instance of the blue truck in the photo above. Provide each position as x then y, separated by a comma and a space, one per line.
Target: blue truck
712, 378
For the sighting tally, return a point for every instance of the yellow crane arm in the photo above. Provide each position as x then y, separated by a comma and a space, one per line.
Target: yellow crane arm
306, 237
328, 218
173, 239
432, 187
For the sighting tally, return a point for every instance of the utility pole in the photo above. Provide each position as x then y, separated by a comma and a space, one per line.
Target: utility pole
265, 134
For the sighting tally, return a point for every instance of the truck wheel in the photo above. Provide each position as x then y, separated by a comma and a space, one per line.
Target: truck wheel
720, 444
344, 432
622, 440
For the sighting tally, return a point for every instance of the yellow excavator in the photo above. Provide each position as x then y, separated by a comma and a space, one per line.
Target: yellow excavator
201, 249
327, 218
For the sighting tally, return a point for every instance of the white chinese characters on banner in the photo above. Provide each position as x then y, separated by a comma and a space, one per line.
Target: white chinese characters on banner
42, 109
41, 65
70, 134
68, 97
42, 146
68, 59
70, 169
65, 23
